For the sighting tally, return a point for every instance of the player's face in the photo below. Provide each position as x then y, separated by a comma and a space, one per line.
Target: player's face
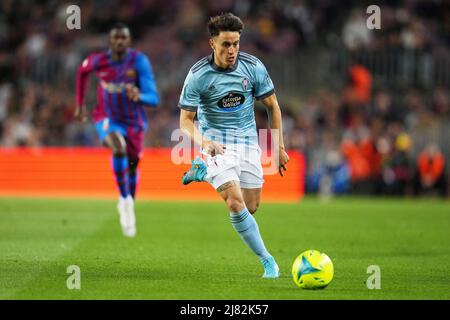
226, 48
119, 40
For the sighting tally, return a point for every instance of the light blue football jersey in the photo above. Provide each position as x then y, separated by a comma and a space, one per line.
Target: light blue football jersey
224, 98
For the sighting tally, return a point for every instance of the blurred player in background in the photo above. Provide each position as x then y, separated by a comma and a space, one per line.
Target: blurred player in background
220, 89
126, 85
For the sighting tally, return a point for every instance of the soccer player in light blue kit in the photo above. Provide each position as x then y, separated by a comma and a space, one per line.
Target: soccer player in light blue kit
221, 89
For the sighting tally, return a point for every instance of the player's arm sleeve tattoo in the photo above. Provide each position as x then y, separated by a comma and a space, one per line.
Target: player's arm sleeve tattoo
147, 84
227, 185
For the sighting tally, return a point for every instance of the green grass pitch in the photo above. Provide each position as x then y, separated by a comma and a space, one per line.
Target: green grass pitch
190, 251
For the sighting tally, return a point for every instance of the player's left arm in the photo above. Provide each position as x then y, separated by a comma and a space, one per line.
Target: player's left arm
276, 126
147, 92
264, 91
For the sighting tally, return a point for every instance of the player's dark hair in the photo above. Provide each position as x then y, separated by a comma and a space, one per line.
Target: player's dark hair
224, 22
120, 26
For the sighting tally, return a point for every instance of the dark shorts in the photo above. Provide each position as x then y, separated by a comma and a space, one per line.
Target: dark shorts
133, 137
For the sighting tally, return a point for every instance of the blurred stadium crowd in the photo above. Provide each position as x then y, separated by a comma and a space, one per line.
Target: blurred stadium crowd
360, 138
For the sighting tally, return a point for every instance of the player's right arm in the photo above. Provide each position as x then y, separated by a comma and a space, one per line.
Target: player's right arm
84, 69
189, 102
187, 125
189, 128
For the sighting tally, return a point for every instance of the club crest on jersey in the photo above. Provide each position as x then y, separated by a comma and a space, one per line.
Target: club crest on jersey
131, 73
245, 83
231, 101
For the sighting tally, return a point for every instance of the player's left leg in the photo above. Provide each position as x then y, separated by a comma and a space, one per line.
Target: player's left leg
135, 146
250, 182
133, 175
243, 222
252, 198
223, 174
251, 177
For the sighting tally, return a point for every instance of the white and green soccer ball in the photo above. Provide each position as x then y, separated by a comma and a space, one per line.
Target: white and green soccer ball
312, 270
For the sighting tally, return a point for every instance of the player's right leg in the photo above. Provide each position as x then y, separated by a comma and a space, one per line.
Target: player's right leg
227, 184
197, 172
116, 142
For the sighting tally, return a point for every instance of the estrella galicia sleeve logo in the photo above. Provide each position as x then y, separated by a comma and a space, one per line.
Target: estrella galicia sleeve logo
231, 101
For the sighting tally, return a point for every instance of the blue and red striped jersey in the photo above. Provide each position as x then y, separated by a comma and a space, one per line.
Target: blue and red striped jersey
113, 76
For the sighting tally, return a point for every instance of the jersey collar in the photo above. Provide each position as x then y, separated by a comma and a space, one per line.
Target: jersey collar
125, 57
217, 68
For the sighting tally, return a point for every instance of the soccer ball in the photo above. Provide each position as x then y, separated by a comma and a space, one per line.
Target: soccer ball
312, 270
